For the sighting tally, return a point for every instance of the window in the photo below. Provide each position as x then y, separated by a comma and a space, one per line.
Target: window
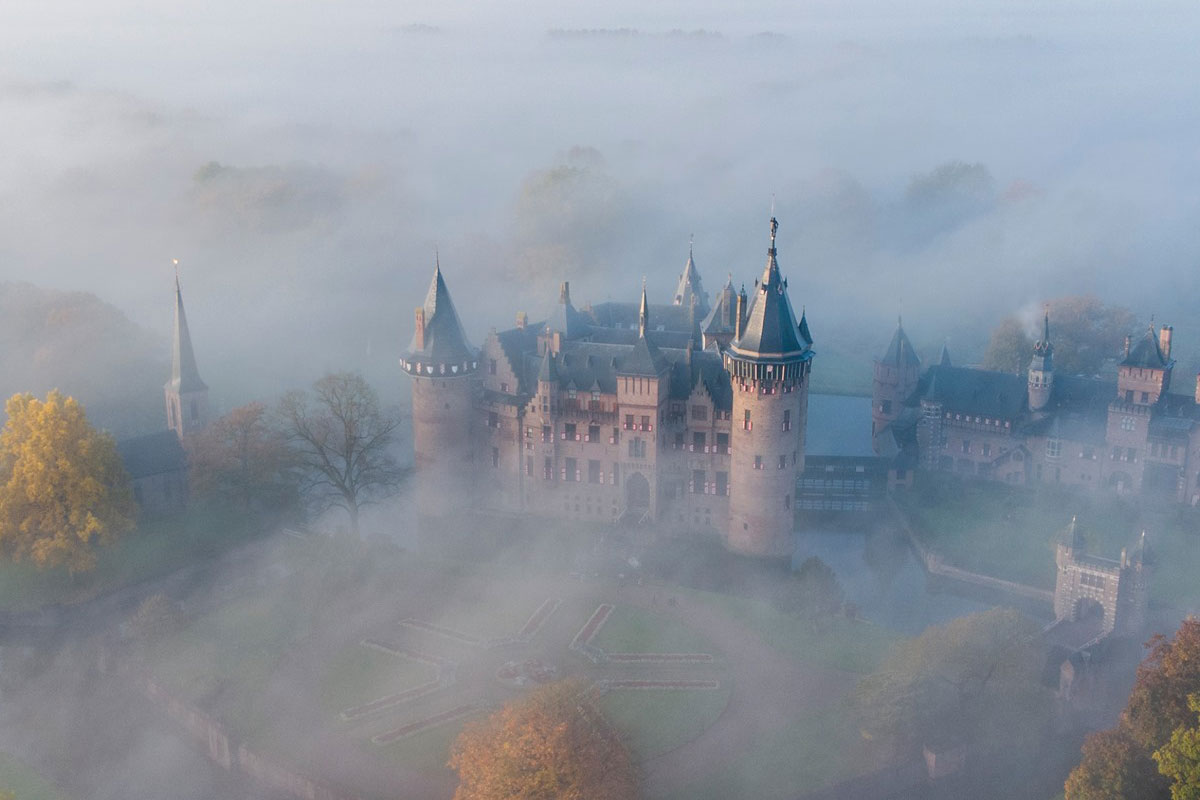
594, 473
646, 423
529, 466
698, 443
679, 440
723, 443
746, 423
504, 387
1131, 453
492, 367
1128, 423
697, 481
547, 433
886, 406
572, 394
1145, 397
495, 457
616, 435
987, 449
700, 413
569, 432
966, 446
595, 397
637, 448
758, 462
629, 422
787, 419
548, 469
593, 433
1129, 395
1053, 448
782, 462
493, 419
787, 500
722, 483
570, 470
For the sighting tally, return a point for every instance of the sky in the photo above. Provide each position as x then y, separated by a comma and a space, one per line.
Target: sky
305, 161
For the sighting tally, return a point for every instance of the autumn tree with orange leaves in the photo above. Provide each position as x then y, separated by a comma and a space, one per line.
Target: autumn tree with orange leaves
550, 745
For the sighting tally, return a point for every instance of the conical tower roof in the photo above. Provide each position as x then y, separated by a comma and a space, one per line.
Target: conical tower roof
771, 330
900, 353
646, 358
721, 318
1147, 353
944, 361
690, 288
445, 341
566, 319
185, 377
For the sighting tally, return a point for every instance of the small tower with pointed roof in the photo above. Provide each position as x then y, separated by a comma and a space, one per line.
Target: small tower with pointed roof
186, 394
895, 378
1041, 369
768, 363
444, 369
690, 289
643, 389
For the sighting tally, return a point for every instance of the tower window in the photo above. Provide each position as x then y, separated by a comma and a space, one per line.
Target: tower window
746, 423
548, 469
495, 456
758, 462
697, 481
886, 406
547, 433
1145, 397
492, 366
594, 473
782, 461
787, 419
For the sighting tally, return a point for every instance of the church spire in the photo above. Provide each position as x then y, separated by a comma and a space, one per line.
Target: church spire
185, 393
690, 287
643, 313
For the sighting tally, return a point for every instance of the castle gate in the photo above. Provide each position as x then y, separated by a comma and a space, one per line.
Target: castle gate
637, 492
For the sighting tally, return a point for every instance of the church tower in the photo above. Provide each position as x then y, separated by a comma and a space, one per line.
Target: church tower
1041, 369
895, 378
769, 364
690, 292
186, 394
444, 369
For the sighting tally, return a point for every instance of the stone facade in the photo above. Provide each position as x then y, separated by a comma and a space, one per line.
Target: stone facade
1086, 585
621, 412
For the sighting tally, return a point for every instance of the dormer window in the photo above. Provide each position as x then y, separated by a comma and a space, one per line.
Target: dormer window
571, 393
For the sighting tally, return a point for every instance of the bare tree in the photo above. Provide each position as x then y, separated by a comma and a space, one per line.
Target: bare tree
342, 439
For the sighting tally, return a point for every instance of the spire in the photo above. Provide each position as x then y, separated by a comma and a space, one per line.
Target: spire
690, 287
804, 334
771, 329
1046, 326
185, 377
441, 340
900, 353
565, 319
944, 361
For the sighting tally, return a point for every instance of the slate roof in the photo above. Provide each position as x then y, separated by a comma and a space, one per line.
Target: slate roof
690, 287
516, 342
723, 315
445, 340
625, 315
152, 454
1146, 353
566, 319
975, 391
771, 330
185, 377
900, 353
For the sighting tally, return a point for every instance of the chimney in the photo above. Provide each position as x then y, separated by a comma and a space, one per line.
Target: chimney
1128, 342
419, 339
1164, 340
556, 343
740, 316
522, 319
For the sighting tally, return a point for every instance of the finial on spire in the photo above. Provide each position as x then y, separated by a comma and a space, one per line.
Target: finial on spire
899, 321
437, 259
691, 241
774, 228
175, 262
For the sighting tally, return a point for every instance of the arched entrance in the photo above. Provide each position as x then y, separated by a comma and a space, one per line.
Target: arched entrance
1088, 609
637, 492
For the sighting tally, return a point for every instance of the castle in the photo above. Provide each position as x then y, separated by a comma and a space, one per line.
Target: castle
1128, 436
688, 415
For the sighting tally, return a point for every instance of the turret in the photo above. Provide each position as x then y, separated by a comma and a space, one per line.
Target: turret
443, 366
642, 393
186, 394
895, 379
690, 288
769, 364
1041, 369
1144, 374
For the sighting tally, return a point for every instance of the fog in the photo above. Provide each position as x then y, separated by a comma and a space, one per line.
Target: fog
305, 161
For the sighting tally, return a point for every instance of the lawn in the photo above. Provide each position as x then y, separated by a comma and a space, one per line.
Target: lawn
1008, 532
427, 751
634, 630
836, 643
819, 750
157, 547
23, 781
655, 722
360, 674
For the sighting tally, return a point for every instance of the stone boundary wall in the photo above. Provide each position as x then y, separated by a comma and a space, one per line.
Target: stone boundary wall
218, 745
933, 565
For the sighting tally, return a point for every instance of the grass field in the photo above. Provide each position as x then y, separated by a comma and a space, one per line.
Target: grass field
23, 781
359, 674
634, 630
655, 722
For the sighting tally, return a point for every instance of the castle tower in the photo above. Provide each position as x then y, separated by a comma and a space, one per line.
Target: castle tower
690, 289
643, 389
768, 364
186, 394
720, 325
1041, 369
895, 378
443, 367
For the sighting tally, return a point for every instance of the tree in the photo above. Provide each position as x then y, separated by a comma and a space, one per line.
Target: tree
1009, 348
550, 745
241, 459
1158, 702
1114, 767
63, 489
812, 592
944, 683
1179, 758
341, 439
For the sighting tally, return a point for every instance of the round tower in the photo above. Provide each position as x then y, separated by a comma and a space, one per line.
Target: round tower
444, 368
1041, 369
895, 378
768, 364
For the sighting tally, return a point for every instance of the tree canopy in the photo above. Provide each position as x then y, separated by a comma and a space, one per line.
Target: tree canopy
551, 744
63, 488
1085, 332
243, 460
813, 592
342, 441
1158, 724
